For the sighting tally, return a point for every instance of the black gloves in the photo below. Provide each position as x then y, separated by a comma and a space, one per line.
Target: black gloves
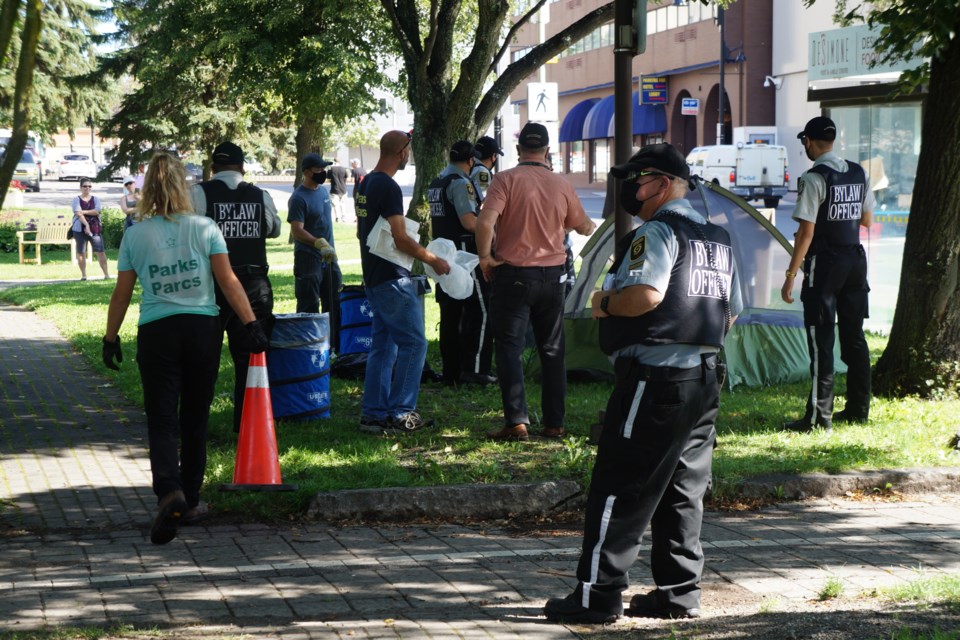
112, 350
258, 339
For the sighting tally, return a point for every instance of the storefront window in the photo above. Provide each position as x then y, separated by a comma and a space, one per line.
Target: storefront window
885, 139
601, 159
576, 162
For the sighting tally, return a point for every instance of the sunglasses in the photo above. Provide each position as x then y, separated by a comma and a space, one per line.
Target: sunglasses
803, 140
409, 139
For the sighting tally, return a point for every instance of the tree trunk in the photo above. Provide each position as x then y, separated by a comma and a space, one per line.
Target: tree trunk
22, 93
309, 139
923, 354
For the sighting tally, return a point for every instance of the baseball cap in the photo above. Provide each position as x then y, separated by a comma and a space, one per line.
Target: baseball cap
819, 128
654, 158
128, 180
486, 147
227, 153
461, 150
534, 136
313, 160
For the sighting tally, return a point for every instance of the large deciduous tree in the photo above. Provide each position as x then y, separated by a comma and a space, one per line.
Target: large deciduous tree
923, 353
450, 90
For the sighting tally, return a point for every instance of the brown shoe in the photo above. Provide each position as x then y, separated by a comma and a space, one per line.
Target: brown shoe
516, 433
552, 432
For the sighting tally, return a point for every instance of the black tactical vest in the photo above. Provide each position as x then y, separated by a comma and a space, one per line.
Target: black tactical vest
444, 221
241, 217
694, 309
838, 219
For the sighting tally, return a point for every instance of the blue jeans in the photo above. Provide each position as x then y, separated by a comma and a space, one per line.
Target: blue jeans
399, 349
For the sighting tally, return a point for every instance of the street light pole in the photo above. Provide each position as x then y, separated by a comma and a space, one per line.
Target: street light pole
723, 59
626, 47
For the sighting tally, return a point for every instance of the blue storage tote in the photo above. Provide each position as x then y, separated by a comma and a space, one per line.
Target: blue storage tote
355, 320
298, 366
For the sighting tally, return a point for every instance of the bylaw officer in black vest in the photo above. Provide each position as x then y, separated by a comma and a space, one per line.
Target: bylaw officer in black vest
833, 201
664, 310
487, 151
246, 216
466, 340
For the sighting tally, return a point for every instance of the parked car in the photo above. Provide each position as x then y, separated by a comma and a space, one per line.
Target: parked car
194, 172
27, 171
254, 168
74, 166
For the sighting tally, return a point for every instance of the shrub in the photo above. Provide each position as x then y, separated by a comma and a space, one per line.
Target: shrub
8, 237
111, 221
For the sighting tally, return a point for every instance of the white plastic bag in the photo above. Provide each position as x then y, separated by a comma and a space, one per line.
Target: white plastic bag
458, 284
381, 243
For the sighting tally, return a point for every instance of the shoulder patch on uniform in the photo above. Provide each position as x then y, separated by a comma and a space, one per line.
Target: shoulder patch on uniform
483, 177
800, 186
470, 190
637, 247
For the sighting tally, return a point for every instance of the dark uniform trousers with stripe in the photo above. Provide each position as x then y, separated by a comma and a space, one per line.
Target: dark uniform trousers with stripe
835, 293
653, 467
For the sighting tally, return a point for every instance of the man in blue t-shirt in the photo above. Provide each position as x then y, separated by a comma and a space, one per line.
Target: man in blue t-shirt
399, 346
315, 270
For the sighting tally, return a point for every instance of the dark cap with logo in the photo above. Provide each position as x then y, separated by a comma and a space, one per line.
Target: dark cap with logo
227, 153
486, 147
819, 128
534, 136
655, 158
313, 161
461, 151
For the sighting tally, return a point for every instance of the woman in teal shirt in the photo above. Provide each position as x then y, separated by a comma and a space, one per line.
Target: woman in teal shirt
176, 256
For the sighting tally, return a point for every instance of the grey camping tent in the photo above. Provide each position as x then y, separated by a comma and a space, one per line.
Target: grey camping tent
766, 345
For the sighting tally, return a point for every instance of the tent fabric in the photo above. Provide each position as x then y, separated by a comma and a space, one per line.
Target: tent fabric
599, 120
767, 344
647, 118
571, 130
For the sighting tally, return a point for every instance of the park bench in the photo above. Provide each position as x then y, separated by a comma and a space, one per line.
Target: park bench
52, 232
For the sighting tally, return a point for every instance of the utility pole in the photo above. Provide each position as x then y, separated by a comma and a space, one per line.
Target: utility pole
630, 22
721, 108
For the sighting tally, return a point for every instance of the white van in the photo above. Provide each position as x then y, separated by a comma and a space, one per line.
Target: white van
752, 171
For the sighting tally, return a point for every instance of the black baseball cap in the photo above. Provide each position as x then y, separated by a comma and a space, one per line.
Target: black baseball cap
654, 158
461, 150
534, 136
486, 147
819, 128
312, 161
227, 153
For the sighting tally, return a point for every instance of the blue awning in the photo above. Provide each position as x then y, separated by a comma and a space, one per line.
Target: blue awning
599, 121
572, 128
647, 119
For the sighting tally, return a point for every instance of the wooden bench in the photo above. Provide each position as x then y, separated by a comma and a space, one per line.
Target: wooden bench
54, 232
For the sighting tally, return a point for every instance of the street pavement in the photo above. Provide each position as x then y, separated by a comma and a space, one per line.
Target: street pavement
76, 506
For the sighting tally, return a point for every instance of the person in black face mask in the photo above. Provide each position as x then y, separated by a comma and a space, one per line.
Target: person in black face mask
664, 310
314, 256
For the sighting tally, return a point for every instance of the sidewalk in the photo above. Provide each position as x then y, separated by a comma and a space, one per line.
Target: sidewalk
75, 509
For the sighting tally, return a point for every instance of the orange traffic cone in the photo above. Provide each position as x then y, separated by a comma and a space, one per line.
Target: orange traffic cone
257, 466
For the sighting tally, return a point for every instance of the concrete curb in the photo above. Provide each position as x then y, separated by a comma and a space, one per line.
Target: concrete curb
480, 501
821, 485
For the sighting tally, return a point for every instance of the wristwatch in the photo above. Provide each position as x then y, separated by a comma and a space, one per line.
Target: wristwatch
791, 274
604, 303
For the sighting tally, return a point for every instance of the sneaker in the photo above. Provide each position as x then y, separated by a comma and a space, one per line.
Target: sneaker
172, 507
569, 610
373, 425
407, 423
648, 605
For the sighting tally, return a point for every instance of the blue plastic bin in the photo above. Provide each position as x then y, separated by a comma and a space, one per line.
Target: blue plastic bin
298, 366
355, 320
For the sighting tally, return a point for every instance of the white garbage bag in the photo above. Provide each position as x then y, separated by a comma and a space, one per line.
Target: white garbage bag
457, 284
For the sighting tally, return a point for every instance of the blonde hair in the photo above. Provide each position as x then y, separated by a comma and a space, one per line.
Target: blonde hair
164, 190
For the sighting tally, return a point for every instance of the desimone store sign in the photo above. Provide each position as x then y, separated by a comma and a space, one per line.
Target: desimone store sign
848, 52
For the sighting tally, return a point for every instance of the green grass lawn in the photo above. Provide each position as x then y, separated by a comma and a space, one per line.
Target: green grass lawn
331, 454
